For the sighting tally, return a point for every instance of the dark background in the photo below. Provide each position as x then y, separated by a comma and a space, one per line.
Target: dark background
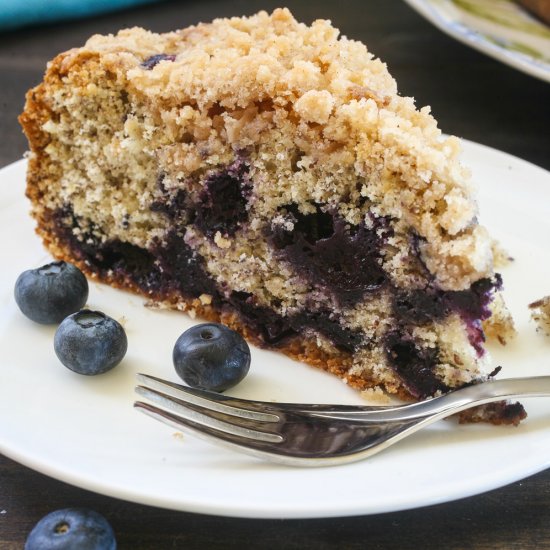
472, 96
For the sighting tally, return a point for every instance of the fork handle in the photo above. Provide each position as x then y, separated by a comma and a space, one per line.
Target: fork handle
459, 400
495, 390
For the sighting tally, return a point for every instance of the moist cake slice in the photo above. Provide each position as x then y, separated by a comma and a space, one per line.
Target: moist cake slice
267, 174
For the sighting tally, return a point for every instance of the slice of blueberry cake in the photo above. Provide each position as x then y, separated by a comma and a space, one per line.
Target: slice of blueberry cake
267, 174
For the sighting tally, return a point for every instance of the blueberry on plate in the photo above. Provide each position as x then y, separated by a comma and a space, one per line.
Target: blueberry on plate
49, 293
90, 342
211, 357
70, 529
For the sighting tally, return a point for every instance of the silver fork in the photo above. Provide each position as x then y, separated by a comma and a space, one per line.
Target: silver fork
313, 435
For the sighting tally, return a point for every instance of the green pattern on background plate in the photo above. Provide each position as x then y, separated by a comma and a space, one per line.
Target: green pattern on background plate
499, 28
505, 13
517, 47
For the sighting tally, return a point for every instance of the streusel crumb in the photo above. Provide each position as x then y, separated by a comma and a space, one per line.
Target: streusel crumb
540, 313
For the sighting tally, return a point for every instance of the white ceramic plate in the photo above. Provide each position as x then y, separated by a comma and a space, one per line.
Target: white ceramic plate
84, 430
499, 28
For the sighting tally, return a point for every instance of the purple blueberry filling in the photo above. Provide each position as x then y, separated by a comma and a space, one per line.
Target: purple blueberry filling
276, 329
174, 206
343, 259
183, 269
430, 304
273, 328
473, 304
414, 365
150, 62
422, 306
223, 202
115, 257
166, 267
170, 266
221, 205
344, 339
476, 336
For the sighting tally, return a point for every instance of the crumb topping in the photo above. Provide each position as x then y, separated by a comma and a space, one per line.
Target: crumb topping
233, 79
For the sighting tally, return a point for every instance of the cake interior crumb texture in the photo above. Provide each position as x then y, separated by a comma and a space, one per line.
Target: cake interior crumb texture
267, 174
540, 313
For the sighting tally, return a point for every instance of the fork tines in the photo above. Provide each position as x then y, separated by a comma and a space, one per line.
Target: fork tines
204, 413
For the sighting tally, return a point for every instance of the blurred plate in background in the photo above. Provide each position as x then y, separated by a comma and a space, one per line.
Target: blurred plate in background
499, 28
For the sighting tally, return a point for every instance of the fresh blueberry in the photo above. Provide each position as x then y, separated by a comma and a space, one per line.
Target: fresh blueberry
90, 342
51, 292
211, 357
71, 529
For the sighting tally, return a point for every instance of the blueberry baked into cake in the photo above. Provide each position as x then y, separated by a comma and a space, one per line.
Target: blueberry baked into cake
266, 174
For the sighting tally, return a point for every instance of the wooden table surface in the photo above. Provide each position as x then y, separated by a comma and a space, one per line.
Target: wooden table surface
472, 96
